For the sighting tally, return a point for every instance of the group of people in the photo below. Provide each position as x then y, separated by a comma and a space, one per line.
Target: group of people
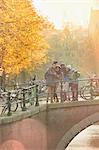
67, 76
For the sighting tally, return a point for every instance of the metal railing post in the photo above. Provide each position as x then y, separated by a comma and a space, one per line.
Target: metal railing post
61, 94
37, 101
91, 90
32, 95
9, 104
23, 101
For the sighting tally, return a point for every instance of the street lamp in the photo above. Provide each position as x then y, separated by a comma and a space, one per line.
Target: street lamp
6, 80
1, 77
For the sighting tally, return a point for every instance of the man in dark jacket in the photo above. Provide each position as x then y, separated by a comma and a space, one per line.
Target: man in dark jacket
50, 76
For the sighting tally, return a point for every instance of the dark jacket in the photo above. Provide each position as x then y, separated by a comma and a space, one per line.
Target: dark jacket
51, 76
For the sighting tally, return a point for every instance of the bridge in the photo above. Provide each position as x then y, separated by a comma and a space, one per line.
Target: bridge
52, 126
38, 125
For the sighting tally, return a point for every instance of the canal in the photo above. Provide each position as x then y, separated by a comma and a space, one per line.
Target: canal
88, 139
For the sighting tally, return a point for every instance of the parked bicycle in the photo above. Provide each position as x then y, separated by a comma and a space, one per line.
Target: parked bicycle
20, 98
90, 90
9, 100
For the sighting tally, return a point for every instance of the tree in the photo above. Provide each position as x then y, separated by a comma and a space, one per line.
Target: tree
71, 45
22, 43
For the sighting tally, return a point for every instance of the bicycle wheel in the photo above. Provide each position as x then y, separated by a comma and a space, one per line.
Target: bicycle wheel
88, 92
82, 92
14, 101
4, 110
14, 106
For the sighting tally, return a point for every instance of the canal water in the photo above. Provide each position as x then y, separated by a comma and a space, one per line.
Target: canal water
88, 139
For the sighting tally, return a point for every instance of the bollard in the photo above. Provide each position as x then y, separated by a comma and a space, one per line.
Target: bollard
9, 104
37, 102
23, 101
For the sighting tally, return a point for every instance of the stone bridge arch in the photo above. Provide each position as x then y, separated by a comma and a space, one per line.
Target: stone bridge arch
66, 120
75, 130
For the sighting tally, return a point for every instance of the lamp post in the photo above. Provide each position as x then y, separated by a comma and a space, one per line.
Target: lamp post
6, 81
1, 77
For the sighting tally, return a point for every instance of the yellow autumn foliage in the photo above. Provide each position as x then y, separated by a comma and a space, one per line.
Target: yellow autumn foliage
21, 40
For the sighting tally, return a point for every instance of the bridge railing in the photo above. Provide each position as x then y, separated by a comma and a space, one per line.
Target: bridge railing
60, 91
25, 96
18, 99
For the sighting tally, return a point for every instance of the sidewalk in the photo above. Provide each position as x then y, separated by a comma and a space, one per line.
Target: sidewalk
31, 110
19, 114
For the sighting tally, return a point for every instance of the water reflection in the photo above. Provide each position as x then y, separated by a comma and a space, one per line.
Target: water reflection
86, 140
